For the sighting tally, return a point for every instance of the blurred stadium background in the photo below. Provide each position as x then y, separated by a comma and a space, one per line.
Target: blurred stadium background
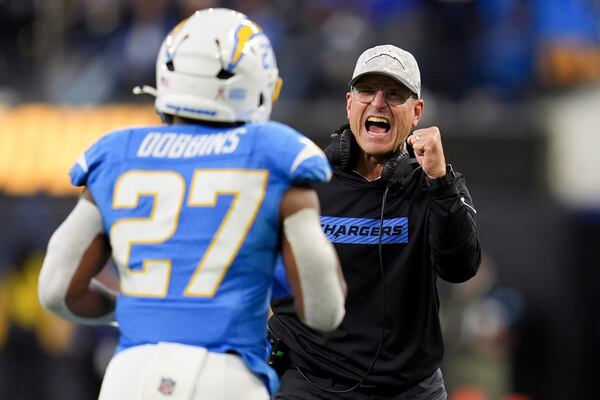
514, 86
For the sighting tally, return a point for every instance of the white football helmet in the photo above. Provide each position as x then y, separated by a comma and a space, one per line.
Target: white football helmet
216, 65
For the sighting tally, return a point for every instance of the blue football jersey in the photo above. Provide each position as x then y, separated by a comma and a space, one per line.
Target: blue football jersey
192, 212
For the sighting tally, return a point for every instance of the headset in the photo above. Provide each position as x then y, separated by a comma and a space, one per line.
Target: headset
399, 168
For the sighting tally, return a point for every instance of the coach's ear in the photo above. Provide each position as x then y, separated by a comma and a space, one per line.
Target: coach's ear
348, 104
418, 108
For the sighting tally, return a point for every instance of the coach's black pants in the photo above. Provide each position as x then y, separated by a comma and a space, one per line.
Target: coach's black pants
295, 387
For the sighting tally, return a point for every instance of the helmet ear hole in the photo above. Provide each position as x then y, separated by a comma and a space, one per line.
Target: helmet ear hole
261, 100
224, 74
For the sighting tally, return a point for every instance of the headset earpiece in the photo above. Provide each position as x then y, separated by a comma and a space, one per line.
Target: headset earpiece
392, 164
347, 150
343, 148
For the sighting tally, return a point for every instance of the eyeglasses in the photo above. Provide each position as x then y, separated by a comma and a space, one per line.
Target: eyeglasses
366, 93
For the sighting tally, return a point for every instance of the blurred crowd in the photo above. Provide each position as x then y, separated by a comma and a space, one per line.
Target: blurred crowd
504, 330
94, 51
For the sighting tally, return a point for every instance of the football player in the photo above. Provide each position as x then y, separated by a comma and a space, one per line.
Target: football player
194, 214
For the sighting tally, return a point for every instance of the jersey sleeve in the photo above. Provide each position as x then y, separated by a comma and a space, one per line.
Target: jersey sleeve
295, 155
89, 161
310, 164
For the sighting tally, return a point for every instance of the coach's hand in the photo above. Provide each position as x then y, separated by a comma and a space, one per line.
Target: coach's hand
427, 145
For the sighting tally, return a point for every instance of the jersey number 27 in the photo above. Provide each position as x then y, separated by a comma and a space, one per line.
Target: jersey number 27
167, 188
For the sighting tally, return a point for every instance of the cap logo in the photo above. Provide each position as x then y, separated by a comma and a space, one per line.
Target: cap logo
389, 55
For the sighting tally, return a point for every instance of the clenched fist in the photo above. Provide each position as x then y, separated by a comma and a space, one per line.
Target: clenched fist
427, 144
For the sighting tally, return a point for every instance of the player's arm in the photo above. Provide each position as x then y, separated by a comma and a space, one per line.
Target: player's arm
311, 262
77, 252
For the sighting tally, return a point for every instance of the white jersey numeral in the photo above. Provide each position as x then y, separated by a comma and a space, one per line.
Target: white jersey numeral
167, 189
248, 190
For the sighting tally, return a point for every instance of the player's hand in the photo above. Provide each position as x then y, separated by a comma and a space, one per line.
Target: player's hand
427, 145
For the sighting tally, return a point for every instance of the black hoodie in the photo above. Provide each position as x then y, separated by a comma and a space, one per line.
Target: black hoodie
427, 233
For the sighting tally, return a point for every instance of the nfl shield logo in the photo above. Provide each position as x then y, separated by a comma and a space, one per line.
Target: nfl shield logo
166, 387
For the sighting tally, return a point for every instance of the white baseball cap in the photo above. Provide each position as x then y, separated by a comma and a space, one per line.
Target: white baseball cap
391, 61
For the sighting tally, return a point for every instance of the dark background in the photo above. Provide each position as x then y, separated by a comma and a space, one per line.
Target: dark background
528, 324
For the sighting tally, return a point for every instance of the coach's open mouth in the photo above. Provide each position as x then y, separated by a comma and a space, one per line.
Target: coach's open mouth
377, 125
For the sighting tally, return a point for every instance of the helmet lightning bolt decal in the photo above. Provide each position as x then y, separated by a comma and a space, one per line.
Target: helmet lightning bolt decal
243, 34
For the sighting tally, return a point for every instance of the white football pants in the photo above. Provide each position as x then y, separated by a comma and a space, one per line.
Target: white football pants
171, 371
